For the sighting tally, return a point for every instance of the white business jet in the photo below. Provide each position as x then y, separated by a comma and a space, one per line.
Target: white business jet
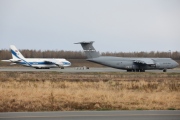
38, 63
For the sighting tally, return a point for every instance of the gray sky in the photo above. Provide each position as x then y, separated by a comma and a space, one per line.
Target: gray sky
114, 25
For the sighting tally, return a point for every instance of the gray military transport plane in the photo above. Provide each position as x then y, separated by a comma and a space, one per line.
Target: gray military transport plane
127, 63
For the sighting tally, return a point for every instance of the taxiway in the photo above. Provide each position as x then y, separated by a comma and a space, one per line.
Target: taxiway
79, 69
95, 115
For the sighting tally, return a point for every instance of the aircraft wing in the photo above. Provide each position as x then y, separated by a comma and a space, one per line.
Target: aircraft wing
144, 61
139, 61
53, 62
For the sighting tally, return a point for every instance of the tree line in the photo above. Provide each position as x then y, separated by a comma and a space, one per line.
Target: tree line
6, 54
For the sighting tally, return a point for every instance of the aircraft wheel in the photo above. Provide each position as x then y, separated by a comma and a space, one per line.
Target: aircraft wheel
164, 70
142, 70
62, 67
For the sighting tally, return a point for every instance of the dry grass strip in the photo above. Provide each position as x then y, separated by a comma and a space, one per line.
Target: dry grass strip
46, 91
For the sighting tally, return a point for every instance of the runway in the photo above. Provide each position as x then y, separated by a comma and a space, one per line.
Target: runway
95, 115
80, 69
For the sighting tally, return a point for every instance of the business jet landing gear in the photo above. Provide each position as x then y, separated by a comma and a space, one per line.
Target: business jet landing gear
165, 70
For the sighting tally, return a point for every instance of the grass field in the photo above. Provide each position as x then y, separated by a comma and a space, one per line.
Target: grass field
55, 91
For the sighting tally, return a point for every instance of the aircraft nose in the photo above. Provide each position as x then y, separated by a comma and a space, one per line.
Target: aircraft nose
68, 63
176, 64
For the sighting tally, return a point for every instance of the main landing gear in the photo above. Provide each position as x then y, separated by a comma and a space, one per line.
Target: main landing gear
42, 68
136, 70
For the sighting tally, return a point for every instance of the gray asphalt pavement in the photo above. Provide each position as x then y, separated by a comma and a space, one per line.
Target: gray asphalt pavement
94, 115
77, 69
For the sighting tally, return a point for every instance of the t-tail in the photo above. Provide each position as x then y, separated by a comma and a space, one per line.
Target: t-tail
89, 49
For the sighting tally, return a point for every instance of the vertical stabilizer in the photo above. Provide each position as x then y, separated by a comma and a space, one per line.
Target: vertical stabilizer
89, 49
15, 53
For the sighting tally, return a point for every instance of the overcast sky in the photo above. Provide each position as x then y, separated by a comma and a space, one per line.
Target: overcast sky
114, 25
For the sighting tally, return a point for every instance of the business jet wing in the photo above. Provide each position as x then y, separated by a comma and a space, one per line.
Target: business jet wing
144, 61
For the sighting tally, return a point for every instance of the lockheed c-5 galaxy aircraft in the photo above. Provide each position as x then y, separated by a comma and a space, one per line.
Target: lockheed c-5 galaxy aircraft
38, 63
127, 63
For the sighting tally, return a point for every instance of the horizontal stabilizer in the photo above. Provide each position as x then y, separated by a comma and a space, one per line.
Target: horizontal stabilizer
89, 49
11, 60
6, 60
15, 60
84, 42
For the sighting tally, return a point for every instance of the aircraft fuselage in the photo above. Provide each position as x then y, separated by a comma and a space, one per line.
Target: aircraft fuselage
44, 62
127, 63
133, 64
